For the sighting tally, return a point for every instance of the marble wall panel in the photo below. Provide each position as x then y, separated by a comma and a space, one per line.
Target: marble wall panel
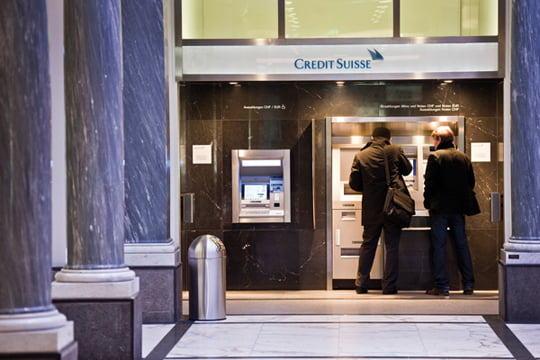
483, 130
298, 249
200, 101
205, 180
320, 168
145, 122
265, 259
484, 246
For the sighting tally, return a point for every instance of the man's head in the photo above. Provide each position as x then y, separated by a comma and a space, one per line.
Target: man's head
381, 132
442, 135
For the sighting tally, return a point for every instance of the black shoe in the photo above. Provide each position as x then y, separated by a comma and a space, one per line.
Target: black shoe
389, 292
437, 292
468, 292
361, 290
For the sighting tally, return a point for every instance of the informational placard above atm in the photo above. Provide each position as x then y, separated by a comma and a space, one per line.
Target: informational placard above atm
364, 60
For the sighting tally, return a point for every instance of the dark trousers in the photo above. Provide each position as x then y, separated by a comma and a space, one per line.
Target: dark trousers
440, 222
370, 239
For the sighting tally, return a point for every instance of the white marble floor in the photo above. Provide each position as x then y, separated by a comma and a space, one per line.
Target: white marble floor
344, 336
529, 335
343, 325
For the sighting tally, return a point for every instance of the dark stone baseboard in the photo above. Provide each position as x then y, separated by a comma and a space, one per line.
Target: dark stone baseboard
105, 328
69, 352
518, 293
160, 293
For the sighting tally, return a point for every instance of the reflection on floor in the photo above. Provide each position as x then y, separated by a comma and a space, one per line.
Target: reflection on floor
342, 324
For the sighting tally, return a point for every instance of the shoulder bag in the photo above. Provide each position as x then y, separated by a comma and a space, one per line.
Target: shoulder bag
398, 205
355, 180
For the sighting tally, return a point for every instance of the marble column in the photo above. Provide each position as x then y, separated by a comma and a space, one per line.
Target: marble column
520, 257
149, 249
95, 288
30, 326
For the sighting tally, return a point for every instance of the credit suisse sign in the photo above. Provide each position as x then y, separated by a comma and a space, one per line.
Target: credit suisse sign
340, 59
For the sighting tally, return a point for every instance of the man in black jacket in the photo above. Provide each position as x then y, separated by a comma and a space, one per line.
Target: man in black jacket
448, 189
370, 162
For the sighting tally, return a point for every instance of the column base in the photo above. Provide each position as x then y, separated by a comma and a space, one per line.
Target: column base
518, 291
107, 317
25, 336
510, 257
159, 268
67, 353
105, 329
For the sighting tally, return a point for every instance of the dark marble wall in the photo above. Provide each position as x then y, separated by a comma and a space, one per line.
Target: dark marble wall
25, 148
293, 256
145, 122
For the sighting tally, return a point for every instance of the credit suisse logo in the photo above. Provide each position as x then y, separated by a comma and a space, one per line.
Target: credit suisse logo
339, 63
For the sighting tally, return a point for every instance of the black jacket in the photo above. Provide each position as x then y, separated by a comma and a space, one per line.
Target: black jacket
370, 162
449, 180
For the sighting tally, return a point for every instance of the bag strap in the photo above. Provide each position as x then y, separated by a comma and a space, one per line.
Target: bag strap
386, 170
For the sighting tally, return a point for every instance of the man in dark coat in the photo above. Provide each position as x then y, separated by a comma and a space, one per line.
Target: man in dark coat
370, 162
448, 190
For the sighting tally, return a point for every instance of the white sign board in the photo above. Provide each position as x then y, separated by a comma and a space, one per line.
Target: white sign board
340, 59
481, 152
202, 154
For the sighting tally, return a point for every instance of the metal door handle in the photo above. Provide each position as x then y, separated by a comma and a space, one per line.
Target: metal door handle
188, 204
496, 206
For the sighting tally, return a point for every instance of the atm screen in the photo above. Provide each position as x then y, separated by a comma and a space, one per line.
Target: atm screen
255, 192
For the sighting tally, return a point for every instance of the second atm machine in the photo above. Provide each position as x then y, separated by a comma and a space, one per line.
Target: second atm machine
261, 186
348, 136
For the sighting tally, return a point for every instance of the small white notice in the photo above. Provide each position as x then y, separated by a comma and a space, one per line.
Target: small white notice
202, 154
481, 152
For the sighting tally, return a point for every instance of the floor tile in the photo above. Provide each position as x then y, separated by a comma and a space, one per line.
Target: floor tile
217, 340
349, 318
350, 336
462, 340
152, 335
529, 335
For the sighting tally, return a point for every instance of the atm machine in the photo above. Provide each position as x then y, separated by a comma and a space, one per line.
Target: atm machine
261, 186
348, 136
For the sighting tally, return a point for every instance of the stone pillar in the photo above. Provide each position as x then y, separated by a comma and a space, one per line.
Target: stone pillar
30, 326
95, 288
520, 258
150, 251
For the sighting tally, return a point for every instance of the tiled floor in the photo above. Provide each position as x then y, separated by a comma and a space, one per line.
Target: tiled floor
328, 335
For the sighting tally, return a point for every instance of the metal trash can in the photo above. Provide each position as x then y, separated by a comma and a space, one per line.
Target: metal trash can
207, 285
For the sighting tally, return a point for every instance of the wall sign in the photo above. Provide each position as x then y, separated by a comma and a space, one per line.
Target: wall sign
202, 154
432, 108
366, 59
480, 152
265, 107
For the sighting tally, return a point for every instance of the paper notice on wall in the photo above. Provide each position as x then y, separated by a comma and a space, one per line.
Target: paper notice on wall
481, 152
202, 154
